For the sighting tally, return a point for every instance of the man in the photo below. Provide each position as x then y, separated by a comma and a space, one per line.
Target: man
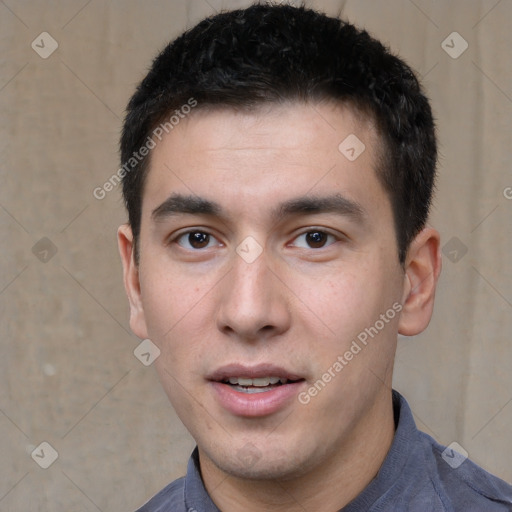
280, 172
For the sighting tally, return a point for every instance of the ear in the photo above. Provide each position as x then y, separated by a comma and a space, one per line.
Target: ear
131, 281
422, 269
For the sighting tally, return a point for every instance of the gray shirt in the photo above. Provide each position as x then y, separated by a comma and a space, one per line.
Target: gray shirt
418, 475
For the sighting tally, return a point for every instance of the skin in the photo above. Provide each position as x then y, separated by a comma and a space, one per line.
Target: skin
296, 306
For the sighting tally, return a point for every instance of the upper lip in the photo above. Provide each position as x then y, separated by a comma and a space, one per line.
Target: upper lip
251, 372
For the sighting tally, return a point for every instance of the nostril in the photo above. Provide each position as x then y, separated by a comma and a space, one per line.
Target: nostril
226, 329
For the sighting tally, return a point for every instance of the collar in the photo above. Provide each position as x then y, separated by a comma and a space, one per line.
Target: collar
198, 500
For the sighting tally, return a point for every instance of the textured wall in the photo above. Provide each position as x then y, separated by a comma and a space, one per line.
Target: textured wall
68, 376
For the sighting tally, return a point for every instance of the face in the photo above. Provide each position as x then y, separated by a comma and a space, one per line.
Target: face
269, 279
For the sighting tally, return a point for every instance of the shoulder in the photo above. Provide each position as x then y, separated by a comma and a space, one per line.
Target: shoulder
169, 498
460, 483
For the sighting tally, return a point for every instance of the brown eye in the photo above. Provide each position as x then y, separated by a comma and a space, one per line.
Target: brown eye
316, 239
196, 240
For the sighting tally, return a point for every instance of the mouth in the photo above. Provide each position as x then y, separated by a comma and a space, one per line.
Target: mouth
257, 385
255, 391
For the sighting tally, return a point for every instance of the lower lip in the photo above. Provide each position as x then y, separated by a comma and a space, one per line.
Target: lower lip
256, 404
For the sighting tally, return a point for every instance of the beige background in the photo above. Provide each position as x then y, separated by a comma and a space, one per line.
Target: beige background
68, 375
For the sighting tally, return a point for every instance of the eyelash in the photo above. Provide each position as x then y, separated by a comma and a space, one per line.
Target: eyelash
334, 238
176, 239
321, 231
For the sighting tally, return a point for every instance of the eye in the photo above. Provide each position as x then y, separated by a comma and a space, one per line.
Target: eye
314, 239
195, 240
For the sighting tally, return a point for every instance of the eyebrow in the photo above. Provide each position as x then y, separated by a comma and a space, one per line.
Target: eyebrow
177, 204
335, 203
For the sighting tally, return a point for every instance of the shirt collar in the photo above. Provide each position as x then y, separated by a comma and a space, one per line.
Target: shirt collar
198, 500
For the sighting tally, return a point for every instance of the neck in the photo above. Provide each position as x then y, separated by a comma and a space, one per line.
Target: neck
341, 477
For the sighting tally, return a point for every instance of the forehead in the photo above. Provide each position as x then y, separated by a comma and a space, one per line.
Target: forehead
283, 125
265, 154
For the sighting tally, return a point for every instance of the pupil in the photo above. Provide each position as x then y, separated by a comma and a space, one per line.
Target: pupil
316, 239
198, 239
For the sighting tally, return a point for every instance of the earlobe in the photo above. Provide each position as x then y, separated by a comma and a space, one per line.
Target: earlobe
131, 281
422, 269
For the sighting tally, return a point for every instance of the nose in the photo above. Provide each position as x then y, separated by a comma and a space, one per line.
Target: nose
253, 302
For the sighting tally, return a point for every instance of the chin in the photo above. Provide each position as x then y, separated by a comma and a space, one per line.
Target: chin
272, 464
263, 471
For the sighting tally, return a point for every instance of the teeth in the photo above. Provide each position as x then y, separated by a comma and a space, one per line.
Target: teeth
251, 391
259, 382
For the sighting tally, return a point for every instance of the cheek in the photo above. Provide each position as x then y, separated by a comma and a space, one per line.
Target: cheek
345, 305
178, 311
172, 297
340, 300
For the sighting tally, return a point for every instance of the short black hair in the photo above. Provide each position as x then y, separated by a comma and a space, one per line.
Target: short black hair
276, 53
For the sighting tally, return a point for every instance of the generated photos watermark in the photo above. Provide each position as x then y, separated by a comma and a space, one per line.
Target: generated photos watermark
137, 156
358, 344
